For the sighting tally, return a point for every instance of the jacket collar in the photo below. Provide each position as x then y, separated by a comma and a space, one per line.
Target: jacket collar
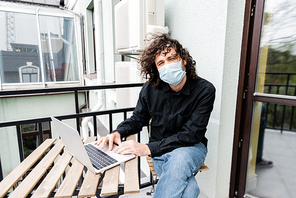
185, 90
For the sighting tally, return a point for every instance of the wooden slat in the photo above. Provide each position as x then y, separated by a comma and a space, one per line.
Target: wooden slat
111, 180
50, 181
150, 163
91, 180
31, 180
131, 181
89, 185
90, 139
23, 167
69, 184
203, 168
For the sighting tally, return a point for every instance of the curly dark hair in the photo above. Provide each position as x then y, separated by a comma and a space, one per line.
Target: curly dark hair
157, 44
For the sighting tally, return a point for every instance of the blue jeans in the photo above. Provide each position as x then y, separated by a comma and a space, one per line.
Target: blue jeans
261, 133
175, 170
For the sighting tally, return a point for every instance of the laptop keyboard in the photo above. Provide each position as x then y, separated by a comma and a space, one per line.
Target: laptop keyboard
98, 158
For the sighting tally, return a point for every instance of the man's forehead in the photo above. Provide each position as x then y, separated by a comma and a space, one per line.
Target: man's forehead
169, 50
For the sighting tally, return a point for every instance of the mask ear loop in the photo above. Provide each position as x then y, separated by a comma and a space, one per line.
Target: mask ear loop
185, 66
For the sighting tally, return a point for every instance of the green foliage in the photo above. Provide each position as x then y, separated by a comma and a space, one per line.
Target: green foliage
275, 115
281, 61
29, 143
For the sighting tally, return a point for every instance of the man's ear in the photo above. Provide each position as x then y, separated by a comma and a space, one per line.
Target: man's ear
184, 64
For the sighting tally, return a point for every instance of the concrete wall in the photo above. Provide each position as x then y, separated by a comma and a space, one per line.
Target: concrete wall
212, 32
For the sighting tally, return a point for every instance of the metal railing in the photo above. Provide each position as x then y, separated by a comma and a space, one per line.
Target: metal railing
77, 115
281, 117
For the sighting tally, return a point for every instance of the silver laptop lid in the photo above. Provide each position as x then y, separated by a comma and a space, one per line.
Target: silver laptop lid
73, 143
75, 147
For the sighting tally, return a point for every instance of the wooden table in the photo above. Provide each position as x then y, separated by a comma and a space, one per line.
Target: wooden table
51, 178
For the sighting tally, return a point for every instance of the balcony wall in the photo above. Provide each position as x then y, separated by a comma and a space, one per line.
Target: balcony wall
18, 108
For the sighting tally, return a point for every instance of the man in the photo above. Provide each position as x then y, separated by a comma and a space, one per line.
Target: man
260, 162
179, 103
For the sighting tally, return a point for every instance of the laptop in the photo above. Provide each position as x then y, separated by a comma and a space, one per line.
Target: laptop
95, 158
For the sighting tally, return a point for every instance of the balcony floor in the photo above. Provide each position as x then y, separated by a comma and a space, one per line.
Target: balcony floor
279, 180
272, 182
145, 190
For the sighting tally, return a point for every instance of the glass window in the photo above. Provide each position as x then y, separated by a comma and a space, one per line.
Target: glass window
29, 73
271, 165
20, 60
18, 45
277, 71
58, 49
273, 128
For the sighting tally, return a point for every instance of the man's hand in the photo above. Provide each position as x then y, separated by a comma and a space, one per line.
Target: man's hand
111, 138
133, 147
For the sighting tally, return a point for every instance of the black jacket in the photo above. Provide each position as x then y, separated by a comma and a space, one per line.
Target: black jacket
178, 118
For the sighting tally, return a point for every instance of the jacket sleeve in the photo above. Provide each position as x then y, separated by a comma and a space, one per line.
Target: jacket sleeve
139, 118
193, 130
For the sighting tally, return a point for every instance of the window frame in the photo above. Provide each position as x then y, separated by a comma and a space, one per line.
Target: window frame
52, 12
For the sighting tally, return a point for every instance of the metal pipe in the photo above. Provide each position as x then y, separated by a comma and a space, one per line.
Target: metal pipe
63, 117
40, 47
124, 115
51, 56
41, 139
95, 125
139, 161
110, 123
81, 35
1, 174
77, 111
99, 40
99, 62
67, 89
20, 142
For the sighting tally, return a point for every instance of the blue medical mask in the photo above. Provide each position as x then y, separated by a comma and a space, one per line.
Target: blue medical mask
172, 73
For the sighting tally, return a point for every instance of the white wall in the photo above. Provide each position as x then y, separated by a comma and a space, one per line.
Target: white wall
212, 32
109, 43
108, 34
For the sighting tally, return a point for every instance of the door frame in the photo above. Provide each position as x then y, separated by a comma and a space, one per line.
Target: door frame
244, 108
247, 95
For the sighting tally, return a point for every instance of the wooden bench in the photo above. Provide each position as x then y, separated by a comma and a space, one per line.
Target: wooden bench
150, 163
70, 184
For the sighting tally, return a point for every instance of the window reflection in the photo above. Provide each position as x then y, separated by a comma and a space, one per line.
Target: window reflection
273, 135
277, 71
19, 45
59, 49
29, 73
271, 154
